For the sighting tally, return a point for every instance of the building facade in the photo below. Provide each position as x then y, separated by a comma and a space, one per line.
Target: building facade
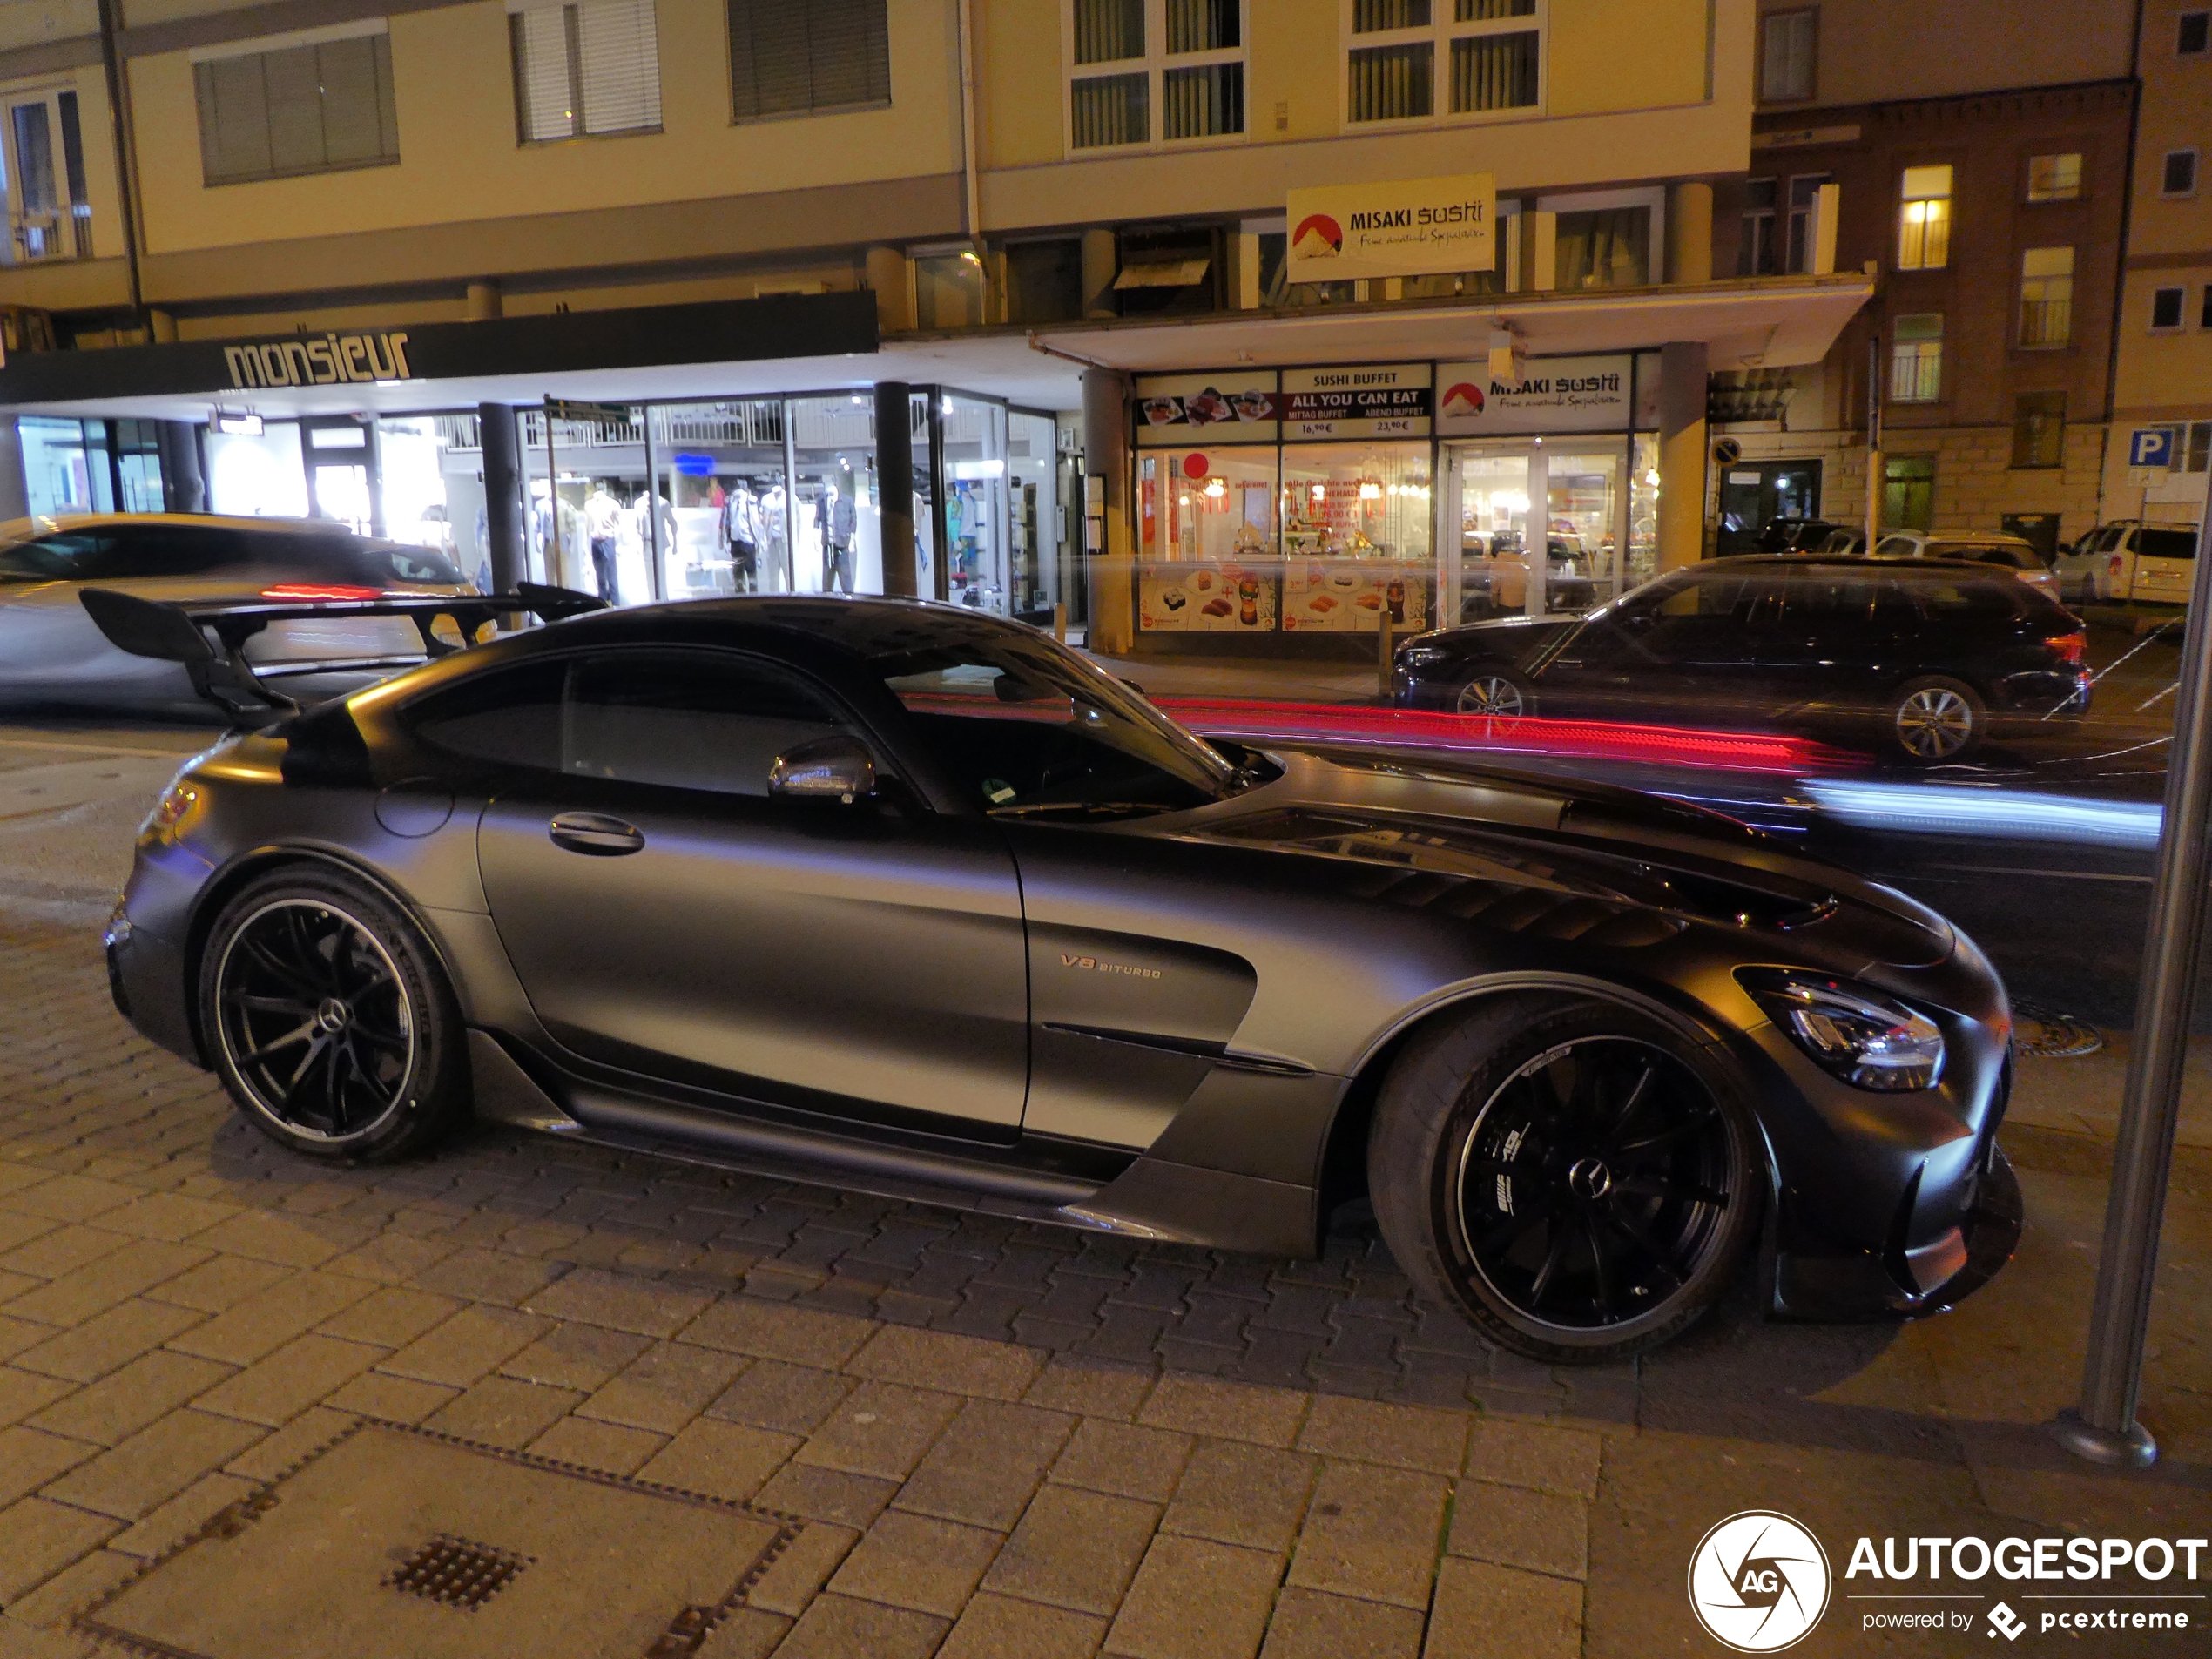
2162, 369
1981, 176
1072, 222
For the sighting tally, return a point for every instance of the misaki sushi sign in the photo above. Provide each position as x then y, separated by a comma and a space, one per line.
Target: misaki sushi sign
1340, 232
1553, 395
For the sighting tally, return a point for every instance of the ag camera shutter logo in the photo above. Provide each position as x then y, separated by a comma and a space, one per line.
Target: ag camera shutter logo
1758, 1581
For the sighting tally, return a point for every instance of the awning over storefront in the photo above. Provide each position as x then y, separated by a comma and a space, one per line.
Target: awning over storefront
1764, 322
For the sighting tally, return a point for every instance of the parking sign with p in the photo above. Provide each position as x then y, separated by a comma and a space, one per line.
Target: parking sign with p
2151, 445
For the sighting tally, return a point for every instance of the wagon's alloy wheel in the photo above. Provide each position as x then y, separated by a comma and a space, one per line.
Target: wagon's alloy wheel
1594, 1183
1934, 723
315, 1019
1492, 694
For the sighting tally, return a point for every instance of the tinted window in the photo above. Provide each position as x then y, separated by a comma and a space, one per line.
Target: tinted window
51, 558
2012, 558
140, 552
688, 719
509, 715
1967, 600
2108, 540
2166, 544
1902, 545
1845, 598
336, 556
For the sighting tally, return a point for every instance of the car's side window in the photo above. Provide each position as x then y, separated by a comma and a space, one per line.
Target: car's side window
508, 716
1895, 544
685, 718
146, 552
2166, 544
1966, 600
69, 555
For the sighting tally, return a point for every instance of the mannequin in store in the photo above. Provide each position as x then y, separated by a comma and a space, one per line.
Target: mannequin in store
835, 516
541, 530
741, 535
775, 552
601, 512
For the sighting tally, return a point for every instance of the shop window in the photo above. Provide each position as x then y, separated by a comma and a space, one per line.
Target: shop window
2177, 175
586, 68
2039, 429
1044, 281
1788, 44
2166, 308
1356, 522
1488, 56
948, 289
1924, 219
2047, 296
1756, 248
49, 215
2054, 179
64, 469
808, 56
316, 108
1908, 492
1604, 248
725, 522
2192, 32
1916, 358
1129, 58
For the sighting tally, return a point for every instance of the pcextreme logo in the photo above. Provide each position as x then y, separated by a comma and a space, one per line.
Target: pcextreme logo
1758, 1581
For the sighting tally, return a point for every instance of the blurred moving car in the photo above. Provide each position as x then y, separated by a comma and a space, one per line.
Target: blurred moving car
51, 655
1924, 655
2011, 553
1796, 535
2128, 559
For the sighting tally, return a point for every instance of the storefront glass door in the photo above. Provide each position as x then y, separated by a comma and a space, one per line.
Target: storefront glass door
975, 505
1508, 499
726, 522
837, 548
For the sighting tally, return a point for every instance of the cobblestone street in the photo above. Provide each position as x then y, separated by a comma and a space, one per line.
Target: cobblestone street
985, 1438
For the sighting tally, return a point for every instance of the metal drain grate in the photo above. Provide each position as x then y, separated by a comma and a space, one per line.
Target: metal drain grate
2045, 1034
456, 1572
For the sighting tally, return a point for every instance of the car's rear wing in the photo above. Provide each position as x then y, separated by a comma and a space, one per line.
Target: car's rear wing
209, 638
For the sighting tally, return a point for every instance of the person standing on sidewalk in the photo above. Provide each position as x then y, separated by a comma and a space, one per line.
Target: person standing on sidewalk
837, 522
601, 511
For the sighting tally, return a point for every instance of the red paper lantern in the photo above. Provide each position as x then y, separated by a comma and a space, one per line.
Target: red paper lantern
1194, 466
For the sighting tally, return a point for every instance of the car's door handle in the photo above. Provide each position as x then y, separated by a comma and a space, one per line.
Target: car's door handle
595, 833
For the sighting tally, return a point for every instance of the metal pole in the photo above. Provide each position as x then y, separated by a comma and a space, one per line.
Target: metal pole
656, 556
1873, 439
2103, 1427
553, 499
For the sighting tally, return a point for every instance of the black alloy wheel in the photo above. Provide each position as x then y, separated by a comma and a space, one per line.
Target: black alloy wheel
1496, 695
1593, 1183
1573, 1175
327, 1021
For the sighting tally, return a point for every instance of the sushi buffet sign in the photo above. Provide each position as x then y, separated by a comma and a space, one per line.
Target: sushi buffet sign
1340, 232
1347, 400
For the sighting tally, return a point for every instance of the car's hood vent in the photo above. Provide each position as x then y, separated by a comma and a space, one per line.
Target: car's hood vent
1544, 912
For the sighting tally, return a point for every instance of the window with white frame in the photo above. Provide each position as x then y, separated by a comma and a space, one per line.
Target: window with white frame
50, 213
314, 103
2054, 179
584, 68
2166, 309
1788, 41
2177, 175
1924, 219
2047, 296
1152, 71
1916, 358
1420, 60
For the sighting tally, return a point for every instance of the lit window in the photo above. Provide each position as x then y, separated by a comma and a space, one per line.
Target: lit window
584, 68
1916, 358
1416, 59
2039, 429
1924, 219
2178, 176
1787, 43
1147, 69
2054, 179
2166, 308
2047, 296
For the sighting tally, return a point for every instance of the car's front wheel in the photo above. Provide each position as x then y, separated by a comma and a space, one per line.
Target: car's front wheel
1570, 1174
1494, 693
328, 1020
1936, 720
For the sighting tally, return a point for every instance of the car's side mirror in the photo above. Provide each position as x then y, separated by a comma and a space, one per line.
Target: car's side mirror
837, 768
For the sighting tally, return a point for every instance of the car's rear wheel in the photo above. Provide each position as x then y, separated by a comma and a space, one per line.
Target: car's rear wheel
1571, 1174
1496, 694
1936, 720
329, 1020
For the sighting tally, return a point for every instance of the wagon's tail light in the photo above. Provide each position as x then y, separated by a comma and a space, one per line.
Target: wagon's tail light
2114, 567
171, 814
1852, 1032
2070, 647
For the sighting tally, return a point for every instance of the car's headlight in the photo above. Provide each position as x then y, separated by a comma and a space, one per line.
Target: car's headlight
1425, 655
1858, 1034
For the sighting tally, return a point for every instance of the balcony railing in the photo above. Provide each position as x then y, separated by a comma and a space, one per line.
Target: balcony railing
63, 233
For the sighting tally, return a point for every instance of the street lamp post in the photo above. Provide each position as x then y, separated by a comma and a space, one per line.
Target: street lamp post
2102, 1428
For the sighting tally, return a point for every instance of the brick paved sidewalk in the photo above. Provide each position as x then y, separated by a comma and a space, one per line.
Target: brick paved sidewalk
994, 1433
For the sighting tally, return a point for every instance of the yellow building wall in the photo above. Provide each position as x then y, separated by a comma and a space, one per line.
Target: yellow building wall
459, 161
1612, 55
2164, 371
1296, 63
31, 23
1018, 82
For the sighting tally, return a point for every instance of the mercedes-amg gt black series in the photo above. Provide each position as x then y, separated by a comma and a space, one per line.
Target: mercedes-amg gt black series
904, 897
1925, 656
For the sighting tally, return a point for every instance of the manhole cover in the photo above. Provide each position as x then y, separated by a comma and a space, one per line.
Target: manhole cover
2045, 1034
395, 1541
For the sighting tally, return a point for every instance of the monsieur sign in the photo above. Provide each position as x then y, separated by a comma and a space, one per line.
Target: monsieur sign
1409, 228
328, 361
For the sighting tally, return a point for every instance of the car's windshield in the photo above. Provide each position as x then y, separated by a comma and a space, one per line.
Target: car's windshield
1028, 728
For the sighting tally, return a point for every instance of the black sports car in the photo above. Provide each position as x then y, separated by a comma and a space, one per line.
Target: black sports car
907, 898
1924, 656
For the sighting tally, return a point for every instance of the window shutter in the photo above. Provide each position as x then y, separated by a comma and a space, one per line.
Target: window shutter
354, 76
544, 104
787, 57
621, 51
234, 119
295, 110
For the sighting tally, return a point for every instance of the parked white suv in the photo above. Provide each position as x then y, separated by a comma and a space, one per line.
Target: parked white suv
2128, 559
2011, 553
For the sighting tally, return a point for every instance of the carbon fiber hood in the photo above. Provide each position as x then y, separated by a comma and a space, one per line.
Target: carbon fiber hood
1575, 862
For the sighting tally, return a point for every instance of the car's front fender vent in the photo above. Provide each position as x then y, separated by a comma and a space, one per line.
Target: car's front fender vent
1540, 911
